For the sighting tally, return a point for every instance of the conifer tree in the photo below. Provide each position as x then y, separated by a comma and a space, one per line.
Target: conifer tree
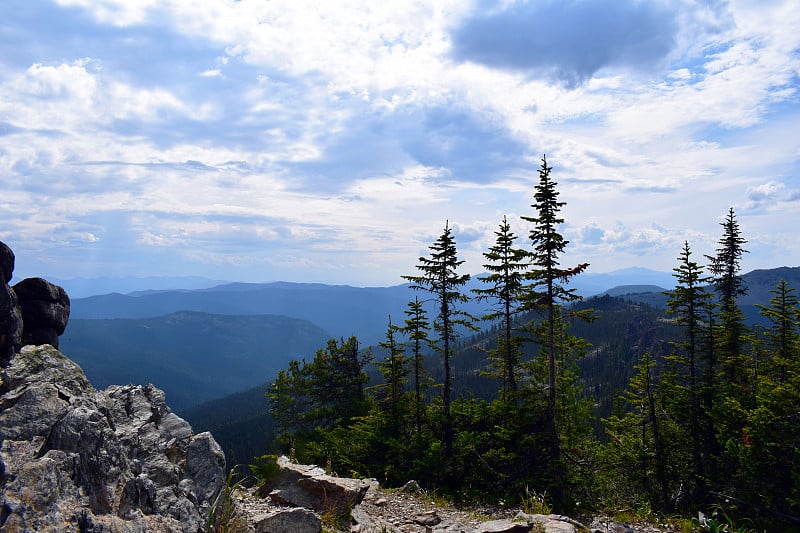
688, 303
395, 374
506, 266
638, 441
416, 327
725, 267
439, 276
548, 287
783, 337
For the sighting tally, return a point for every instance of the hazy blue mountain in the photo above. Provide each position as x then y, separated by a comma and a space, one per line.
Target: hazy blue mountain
194, 357
651, 295
759, 284
340, 309
84, 287
590, 283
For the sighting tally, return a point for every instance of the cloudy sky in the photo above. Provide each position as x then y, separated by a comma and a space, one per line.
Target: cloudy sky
261, 140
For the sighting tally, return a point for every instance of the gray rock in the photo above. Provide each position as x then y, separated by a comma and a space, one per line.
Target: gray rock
310, 487
45, 311
503, 526
76, 459
552, 523
288, 520
429, 519
10, 323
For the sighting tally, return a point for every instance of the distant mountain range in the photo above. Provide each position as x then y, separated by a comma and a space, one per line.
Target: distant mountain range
588, 283
340, 309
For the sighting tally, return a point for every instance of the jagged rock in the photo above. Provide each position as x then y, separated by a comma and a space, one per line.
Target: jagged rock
10, 324
76, 459
6, 262
310, 487
45, 311
290, 520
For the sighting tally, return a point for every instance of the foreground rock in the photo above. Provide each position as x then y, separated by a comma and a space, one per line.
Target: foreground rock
76, 459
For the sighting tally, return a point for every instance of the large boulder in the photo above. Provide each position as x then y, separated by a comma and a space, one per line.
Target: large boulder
310, 487
45, 311
73, 458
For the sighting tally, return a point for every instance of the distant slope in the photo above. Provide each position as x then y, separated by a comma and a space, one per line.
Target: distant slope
193, 356
651, 295
759, 284
340, 310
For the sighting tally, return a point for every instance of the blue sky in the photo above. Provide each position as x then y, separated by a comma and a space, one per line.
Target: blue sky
259, 140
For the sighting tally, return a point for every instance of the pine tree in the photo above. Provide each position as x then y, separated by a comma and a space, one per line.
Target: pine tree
783, 337
395, 374
506, 266
725, 267
547, 276
689, 303
416, 327
440, 278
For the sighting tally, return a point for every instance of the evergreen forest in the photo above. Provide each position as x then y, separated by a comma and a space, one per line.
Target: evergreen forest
703, 417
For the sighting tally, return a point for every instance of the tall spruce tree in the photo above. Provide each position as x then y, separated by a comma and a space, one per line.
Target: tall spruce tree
725, 267
439, 276
506, 265
548, 279
689, 302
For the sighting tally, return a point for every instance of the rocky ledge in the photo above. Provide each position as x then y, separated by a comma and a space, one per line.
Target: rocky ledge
75, 459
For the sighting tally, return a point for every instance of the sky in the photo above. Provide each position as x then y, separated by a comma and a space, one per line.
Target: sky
265, 140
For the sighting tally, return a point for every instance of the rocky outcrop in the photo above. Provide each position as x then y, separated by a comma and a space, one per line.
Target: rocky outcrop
10, 324
34, 311
73, 458
45, 311
10, 316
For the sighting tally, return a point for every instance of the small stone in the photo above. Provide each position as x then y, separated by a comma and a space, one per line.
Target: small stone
380, 502
429, 518
412, 487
